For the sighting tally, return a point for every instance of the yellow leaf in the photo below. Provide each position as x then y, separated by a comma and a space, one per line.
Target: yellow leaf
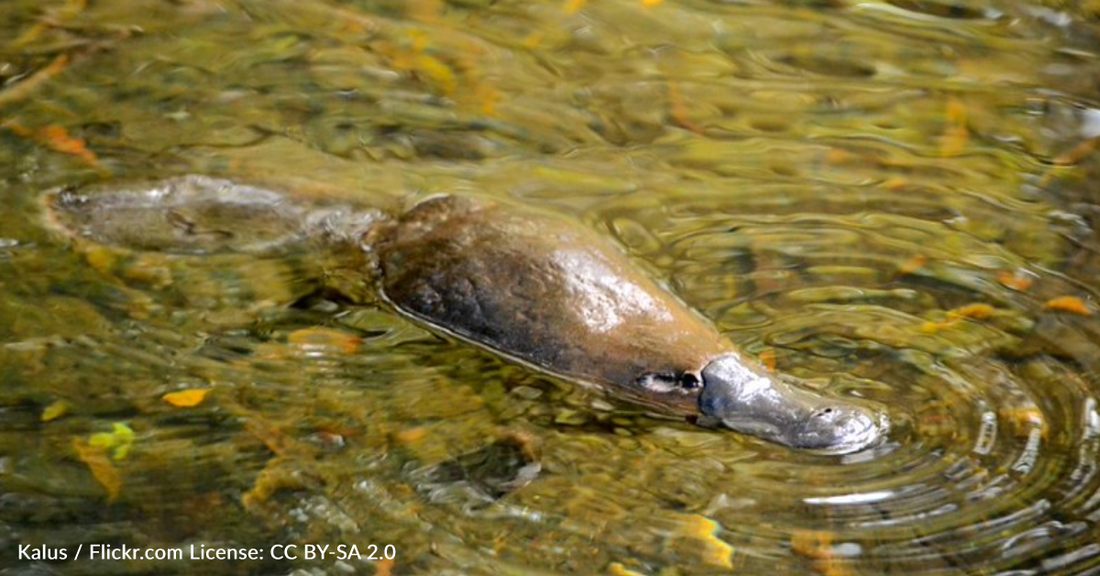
811, 543
186, 398
617, 569
572, 6
703, 530
933, 327
119, 440
101, 258
955, 134
55, 410
438, 72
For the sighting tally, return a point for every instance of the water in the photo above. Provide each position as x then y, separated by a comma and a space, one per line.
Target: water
894, 200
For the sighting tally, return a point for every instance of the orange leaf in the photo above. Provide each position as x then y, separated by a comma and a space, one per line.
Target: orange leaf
1018, 280
1077, 154
837, 156
817, 546
767, 356
976, 311
384, 567
678, 110
186, 398
95, 458
1069, 304
57, 138
913, 264
811, 543
411, 435
894, 183
310, 338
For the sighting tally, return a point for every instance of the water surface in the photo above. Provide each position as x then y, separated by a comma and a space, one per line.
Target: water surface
892, 200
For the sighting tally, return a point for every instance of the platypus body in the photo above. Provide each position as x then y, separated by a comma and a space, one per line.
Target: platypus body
528, 285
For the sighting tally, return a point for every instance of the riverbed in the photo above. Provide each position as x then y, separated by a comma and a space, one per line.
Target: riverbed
892, 200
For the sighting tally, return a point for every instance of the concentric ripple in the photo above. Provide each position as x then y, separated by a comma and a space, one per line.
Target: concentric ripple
889, 200
985, 358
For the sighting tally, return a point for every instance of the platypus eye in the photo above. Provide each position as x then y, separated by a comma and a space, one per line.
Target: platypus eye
665, 383
660, 383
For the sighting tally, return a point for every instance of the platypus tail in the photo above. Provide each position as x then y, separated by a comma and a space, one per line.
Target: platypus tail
201, 215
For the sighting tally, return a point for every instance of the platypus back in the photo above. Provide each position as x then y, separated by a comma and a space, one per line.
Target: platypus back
549, 292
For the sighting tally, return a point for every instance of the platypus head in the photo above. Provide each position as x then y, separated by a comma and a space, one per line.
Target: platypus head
738, 397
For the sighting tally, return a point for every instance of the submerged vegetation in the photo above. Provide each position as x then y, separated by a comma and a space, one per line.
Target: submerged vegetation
893, 200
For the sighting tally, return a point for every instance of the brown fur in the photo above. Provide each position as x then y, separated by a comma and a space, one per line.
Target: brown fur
545, 291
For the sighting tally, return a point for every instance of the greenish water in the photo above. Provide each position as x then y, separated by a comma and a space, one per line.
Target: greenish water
896, 200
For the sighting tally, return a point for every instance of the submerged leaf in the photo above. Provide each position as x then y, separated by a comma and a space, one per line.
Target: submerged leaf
573, 6
704, 531
976, 311
618, 569
1069, 304
1018, 280
55, 410
186, 398
956, 134
118, 441
321, 339
384, 567
913, 264
57, 138
95, 458
767, 357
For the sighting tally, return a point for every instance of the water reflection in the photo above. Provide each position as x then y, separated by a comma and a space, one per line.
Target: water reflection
894, 200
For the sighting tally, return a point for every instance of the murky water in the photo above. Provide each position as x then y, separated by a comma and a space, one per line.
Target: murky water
893, 200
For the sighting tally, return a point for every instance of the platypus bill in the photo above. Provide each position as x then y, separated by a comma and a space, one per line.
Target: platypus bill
528, 285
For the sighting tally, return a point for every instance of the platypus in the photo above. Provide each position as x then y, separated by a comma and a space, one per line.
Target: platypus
531, 286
